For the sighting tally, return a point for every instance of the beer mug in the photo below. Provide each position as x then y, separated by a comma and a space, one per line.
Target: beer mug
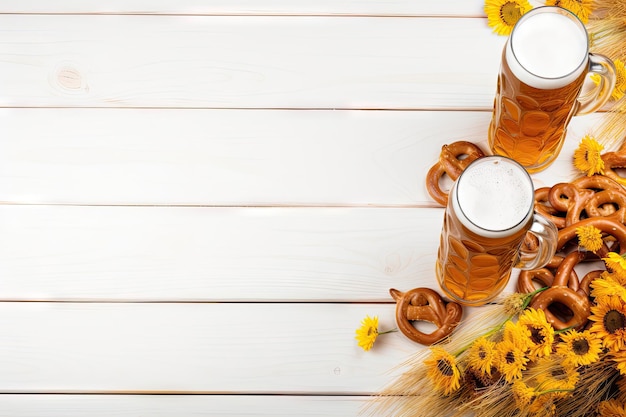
545, 63
489, 213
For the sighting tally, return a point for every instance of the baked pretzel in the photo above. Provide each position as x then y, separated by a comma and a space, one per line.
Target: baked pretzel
613, 160
543, 207
566, 204
608, 226
424, 304
564, 304
453, 160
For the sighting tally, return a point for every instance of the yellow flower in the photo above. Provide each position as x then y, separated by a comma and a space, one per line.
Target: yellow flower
609, 317
503, 14
620, 361
607, 286
589, 237
617, 264
620, 80
367, 333
541, 332
522, 393
511, 360
443, 370
581, 8
587, 157
481, 355
553, 374
611, 408
543, 406
579, 348
517, 334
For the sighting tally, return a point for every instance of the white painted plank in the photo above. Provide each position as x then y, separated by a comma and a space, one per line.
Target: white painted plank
215, 254
242, 61
252, 7
194, 348
33, 405
235, 157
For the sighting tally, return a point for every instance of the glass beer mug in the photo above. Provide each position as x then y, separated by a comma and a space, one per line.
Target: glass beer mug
544, 65
490, 210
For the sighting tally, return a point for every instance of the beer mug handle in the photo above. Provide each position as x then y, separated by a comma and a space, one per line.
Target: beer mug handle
591, 101
544, 236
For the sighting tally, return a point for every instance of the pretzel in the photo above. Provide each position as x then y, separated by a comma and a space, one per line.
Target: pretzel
565, 305
424, 304
613, 160
611, 227
566, 204
453, 160
543, 207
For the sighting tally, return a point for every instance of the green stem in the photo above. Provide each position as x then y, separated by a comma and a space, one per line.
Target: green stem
388, 331
567, 329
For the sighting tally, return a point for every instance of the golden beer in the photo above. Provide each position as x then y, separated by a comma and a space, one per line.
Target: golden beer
544, 66
489, 212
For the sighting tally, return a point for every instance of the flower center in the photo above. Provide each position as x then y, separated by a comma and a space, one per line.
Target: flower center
482, 354
444, 367
536, 336
509, 357
614, 320
558, 374
510, 13
580, 346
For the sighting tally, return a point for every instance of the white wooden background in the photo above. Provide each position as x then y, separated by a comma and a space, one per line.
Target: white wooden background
200, 200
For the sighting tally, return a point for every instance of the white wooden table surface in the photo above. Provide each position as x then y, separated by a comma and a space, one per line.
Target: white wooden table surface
200, 200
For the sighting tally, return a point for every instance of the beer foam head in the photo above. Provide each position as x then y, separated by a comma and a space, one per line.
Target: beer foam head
494, 197
548, 48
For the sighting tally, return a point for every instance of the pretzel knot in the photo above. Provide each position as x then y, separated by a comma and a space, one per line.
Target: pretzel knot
566, 302
453, 160
424, 304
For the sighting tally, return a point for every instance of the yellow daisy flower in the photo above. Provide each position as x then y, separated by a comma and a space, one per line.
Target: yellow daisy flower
368, 332
611, 408
581, 8
481, 355
587, 157
609, 322
522, 394
620, 361
511, 360
541, 332
579, 348
589, 237
543, 406
607, 286
620, 80
443, 370
617, 264
517, 334
553, 374
503, 14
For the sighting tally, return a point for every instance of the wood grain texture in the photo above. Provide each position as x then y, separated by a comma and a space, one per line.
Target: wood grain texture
215, 254
464, 8
33, 405
247, 62
236, 157
194, 348
252, 7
